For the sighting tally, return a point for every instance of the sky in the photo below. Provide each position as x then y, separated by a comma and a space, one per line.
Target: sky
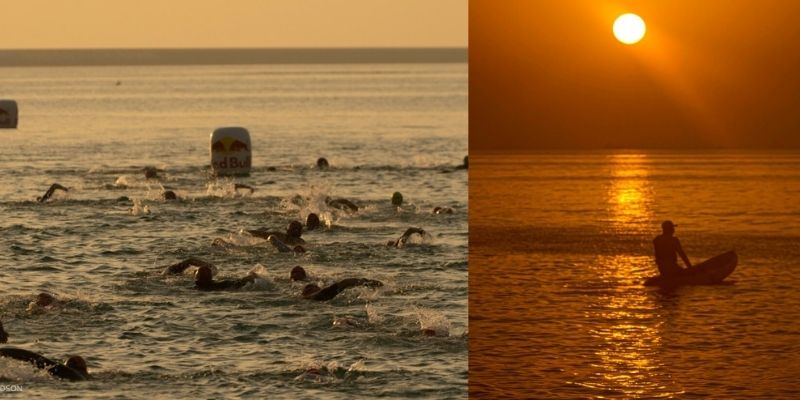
57, 24
711, 73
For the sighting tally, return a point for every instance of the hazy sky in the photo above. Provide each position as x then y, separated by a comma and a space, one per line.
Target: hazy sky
232, 23
550, 74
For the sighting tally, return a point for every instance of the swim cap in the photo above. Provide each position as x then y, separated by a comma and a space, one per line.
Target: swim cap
397, 198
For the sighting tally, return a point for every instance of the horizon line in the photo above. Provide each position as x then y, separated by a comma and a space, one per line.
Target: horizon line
230, 55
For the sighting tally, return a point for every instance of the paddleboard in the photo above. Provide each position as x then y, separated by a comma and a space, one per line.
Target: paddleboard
708, 272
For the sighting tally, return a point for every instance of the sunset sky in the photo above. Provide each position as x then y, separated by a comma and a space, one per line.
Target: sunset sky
52, 24
711, 73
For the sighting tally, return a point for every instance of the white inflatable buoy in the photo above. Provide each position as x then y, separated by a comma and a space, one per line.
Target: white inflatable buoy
8, 114
230, 151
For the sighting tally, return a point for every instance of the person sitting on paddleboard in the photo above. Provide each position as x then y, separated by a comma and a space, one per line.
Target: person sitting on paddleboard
667, 249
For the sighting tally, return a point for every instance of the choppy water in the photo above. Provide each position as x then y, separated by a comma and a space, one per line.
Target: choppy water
559, 246
384, 128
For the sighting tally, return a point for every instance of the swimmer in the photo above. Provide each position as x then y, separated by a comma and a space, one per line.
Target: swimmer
45, 300
341, 204
3, 334
314, 292
312, 222
50, 192
203, 280
292, 236
73, 369
465, 165
322, 163
397, 199
169, 195
151, 173
406, 235
178, 268
222, 243
283, 247
204, 276
238, 186
298, 274
442, 210
347, 322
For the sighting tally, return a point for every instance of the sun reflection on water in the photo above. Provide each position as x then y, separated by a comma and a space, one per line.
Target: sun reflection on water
627, 331
630, 194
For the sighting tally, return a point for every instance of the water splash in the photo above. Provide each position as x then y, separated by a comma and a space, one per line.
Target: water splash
432, 322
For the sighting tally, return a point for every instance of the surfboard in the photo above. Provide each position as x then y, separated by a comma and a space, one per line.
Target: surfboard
714, 270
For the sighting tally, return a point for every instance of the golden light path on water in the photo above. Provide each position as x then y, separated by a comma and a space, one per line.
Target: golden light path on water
629, 338
630, 196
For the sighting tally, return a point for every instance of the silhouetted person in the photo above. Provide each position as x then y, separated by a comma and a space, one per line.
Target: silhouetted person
204, 276
322, 163
406, 235
465, 165
667, 249
50, 191
73, 369
178, 268
312, 222
4, 334
291, 237
298, 274
314, 292
397, 198
45, 299
341, 204
150, 172
283, 247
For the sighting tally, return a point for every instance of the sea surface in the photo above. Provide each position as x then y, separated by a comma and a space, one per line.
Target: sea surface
100, 247
560, 243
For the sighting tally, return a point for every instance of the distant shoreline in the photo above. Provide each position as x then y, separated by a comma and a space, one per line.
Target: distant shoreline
109, 57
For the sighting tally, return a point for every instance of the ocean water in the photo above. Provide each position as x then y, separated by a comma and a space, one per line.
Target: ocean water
560, 243
382, 127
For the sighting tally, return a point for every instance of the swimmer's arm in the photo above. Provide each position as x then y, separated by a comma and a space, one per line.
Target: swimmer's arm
261, 233
409, 232
679, 249
37, 360
238, 186
352, 282
278, 244
183, 265
50, 192
327, 293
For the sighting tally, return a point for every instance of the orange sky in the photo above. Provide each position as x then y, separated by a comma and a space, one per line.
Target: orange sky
550, 74
232, 23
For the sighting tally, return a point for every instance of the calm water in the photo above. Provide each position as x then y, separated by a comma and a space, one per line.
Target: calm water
384, 128
559, 246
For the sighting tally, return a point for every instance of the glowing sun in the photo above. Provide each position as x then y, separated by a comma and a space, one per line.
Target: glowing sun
629, 28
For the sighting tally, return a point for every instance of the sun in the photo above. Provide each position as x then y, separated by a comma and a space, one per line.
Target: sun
629, 28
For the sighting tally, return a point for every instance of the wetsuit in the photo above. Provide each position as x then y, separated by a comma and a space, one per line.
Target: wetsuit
331, 291
227, 284
56, 369
183, 265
